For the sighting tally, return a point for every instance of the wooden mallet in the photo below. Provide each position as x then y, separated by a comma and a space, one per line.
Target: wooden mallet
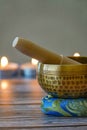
41, 54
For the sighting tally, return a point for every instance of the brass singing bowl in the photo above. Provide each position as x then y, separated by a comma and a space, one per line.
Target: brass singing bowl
63, 81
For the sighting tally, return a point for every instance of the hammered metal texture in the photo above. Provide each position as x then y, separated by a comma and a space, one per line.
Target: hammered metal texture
63, 81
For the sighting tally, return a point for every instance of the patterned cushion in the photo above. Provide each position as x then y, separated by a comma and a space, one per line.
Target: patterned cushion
64, 107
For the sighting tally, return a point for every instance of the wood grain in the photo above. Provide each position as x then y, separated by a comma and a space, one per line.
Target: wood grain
20, 109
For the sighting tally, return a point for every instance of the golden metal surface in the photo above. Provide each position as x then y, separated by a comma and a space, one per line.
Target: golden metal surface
64, 81
81, 59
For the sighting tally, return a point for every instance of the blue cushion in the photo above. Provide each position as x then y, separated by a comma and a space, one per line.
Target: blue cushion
64, 107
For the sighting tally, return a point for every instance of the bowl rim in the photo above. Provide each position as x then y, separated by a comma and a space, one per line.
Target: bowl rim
69, 65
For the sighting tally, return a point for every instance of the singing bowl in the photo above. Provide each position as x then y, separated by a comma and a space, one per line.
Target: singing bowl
63, 81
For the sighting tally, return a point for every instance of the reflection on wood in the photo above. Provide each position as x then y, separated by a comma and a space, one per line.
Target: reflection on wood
20, 109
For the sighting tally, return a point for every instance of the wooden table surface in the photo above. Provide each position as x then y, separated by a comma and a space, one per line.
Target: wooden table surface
20, 109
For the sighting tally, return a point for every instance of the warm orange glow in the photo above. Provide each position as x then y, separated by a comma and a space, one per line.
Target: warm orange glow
34, 61
4, 61
76, 54
4, 85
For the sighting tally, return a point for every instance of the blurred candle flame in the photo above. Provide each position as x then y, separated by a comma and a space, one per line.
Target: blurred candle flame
34, 61
76, 54
4, 61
